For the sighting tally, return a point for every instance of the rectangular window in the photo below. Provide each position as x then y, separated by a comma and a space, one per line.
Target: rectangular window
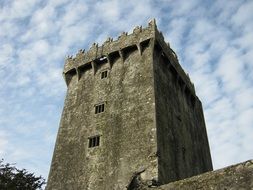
99, 108
94, 141
103, 74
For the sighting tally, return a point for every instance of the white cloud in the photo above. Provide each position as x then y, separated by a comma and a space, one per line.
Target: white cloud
8, 30
74, 13
230, 70
6, 54
3, 142
245, 119
223, 11
243, 15
110, 10
43, 14
223, 106
17, 9
51, 82
41, 47
181, 7
175, 35
242, 98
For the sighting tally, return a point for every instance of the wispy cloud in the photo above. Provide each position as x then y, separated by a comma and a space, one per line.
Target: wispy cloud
213, 41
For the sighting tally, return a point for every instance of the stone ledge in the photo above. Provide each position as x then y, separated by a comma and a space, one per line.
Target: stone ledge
235, 177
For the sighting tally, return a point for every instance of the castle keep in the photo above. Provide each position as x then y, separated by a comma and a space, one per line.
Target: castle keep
131, 116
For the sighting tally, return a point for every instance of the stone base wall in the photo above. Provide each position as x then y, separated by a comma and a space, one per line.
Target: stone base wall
235, 177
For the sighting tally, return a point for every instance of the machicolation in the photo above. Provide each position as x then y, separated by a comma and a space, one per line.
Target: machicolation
120, 48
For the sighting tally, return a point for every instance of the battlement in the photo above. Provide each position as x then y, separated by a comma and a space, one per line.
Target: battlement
111, 49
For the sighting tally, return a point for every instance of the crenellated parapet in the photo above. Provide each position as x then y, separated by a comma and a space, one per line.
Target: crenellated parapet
110, 46
137, 40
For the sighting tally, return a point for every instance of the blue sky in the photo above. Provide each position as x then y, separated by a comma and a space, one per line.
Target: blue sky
213, 40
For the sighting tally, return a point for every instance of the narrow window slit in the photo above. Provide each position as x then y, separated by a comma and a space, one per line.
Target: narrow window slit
102, 107
99, 108
103, 74
90, 143
97, 141
94, 141
96, 110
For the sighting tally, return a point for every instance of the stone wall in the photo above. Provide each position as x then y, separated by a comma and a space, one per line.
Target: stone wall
183, 148
236, 177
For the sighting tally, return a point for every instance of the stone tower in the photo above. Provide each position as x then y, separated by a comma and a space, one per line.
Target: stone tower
131, 116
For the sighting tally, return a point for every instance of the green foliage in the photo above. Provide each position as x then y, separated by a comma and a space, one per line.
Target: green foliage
12, 178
